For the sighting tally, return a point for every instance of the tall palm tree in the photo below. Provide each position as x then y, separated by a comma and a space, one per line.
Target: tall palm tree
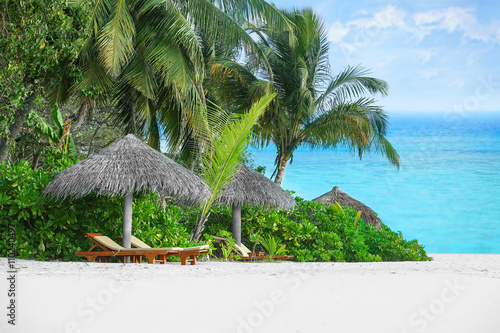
312, 108
147, 55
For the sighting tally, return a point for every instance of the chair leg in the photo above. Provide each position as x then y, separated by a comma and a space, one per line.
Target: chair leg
183, 258
90, 258
151, 258
137, 259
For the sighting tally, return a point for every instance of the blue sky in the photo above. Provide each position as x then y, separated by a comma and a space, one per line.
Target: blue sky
436, 55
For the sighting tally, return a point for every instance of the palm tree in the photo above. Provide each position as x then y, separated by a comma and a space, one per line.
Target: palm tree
230, 136
147, 55
312, 108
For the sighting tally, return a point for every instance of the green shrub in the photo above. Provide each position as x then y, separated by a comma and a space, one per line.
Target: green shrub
47, 229
271, 246
315, 232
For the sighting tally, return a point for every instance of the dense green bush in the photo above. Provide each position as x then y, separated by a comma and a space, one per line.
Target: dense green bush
315, 232
47, 229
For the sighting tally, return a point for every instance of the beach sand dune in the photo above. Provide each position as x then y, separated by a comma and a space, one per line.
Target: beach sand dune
453, 293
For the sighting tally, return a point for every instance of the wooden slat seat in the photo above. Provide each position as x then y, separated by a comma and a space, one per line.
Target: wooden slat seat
187, 254
110, 249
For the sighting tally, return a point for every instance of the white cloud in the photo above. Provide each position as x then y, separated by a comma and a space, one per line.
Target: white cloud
362, 12
363, 33
337, 32
424, 55
387, 17
428, 73
458, 83
455, 19
421, 24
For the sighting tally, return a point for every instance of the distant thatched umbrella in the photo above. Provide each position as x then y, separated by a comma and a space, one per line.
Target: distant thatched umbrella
250, 187
126, 166
336, 194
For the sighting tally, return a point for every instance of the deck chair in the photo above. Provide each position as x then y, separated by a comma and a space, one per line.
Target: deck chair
109, 249
185, 253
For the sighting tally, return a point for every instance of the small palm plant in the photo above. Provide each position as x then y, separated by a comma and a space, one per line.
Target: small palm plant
227, 247
220, 162
271, 246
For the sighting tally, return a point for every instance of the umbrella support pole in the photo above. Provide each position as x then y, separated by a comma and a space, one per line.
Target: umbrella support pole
127, 223
237, 224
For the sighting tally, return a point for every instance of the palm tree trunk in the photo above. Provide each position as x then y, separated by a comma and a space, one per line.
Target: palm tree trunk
36, 158
198, 228
281, 171
16, 126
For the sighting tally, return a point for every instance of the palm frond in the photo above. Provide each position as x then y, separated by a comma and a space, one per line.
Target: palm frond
171, 46
359, 125
139, 74
220, 164
234, 86
381, 145
351, 83
94, 74
116, 38
346, 125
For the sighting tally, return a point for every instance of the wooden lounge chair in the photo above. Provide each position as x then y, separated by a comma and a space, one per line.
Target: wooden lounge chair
247, 255
109, 249
185, 253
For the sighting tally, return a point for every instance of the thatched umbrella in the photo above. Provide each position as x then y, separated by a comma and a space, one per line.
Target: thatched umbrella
336, 194
126, 166
250, 187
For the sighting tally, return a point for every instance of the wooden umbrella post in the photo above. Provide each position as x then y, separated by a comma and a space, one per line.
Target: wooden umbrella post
237, 223
127, 222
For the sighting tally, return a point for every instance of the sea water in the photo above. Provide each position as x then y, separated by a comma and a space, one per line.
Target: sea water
446, 193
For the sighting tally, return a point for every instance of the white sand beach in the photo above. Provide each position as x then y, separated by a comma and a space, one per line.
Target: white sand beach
453, 293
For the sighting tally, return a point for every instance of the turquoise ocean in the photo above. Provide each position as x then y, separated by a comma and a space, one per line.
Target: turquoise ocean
446, 193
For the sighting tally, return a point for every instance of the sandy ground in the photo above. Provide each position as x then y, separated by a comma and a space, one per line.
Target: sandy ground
453, 293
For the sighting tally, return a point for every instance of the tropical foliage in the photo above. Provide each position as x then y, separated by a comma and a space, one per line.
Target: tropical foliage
169, 70
148, 57
312, 107
230, 136
56, 230
46, 229
271, 246
40, 40
314, 231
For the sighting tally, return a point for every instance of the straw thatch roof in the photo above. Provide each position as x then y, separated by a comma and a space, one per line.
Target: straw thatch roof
336, 194
250, 187
125, 166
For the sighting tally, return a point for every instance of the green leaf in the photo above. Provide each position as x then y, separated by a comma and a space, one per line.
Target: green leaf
220, 164
116, 39
56, 116
337, 208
